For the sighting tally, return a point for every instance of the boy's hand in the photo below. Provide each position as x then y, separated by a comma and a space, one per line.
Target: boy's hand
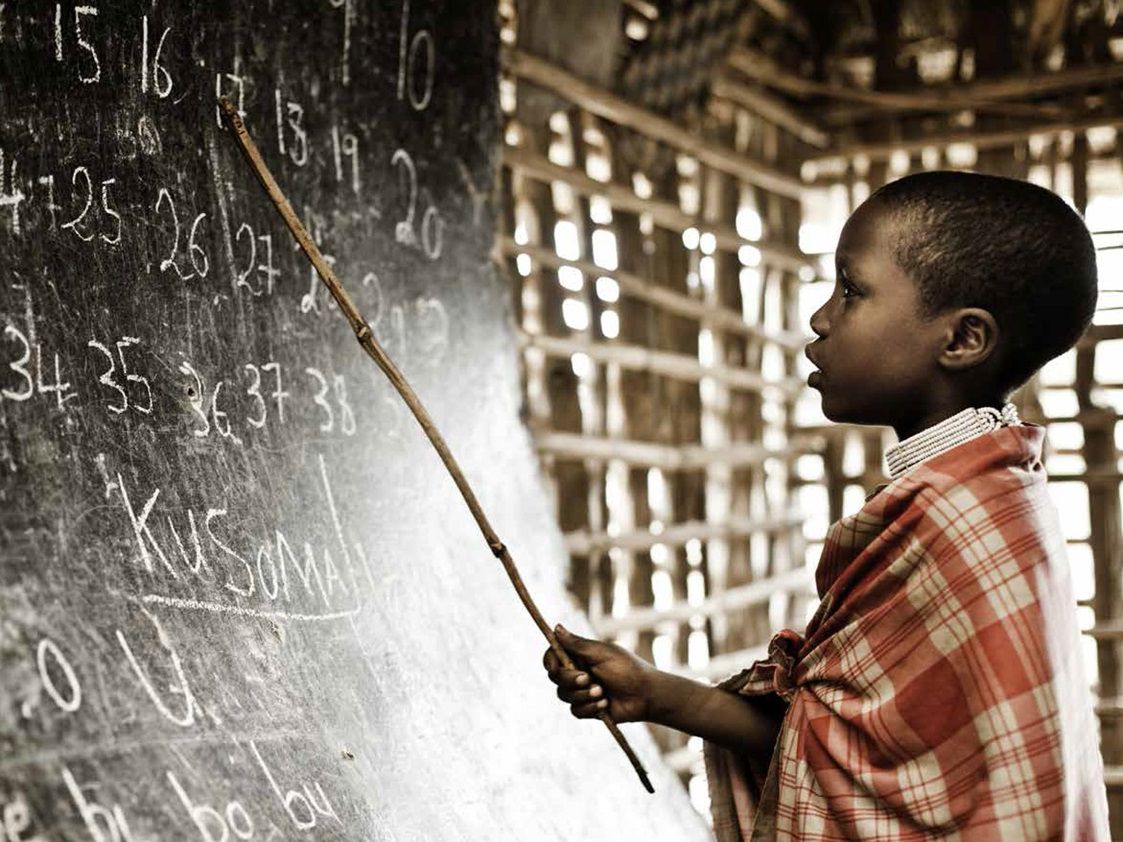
608, 678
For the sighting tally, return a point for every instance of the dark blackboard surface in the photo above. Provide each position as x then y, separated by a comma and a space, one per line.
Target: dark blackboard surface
239, 596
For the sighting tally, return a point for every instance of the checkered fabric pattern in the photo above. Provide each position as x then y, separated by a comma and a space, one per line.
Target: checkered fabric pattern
938, 692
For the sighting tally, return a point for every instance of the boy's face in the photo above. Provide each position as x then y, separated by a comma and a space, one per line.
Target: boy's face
878, 358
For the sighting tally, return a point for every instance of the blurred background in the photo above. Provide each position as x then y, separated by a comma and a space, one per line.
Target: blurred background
675, 176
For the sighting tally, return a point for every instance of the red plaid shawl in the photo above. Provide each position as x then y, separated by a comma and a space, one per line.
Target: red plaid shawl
938, 692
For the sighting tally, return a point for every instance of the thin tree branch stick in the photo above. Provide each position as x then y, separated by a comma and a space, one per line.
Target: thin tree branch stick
369, 344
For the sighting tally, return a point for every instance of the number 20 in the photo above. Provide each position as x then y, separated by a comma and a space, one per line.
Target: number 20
432, 225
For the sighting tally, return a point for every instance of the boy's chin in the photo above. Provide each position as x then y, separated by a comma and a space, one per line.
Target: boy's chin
829, 412
840, 414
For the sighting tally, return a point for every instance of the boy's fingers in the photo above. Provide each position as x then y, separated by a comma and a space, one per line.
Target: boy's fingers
569, 679
580, 697
552, 662
573, 678
589, 709
575, 645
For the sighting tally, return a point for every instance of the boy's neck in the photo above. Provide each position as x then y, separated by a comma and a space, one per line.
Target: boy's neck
910, 428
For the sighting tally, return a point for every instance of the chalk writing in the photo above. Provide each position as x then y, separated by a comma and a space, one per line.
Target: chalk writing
232, 85
190, 706
348, 7
73, 224
432, 226
303, 806
115, 238
248, 589
48, 181
421, 44
104, 824
239, 611
88, 222
90, 65
310, 301
19, 367
196, 394
290, 123
212, 825
254, 391
27, 386
211, 407
220, 418
345, 145
198, 257
265, 272
109, 379
339, 386
161, 78
10, 194
69, 697
16, 820
278, 573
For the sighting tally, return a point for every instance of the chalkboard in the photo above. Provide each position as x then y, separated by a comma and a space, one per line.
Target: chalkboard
239, 596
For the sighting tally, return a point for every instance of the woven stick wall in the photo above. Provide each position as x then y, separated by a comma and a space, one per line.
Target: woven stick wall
663, 301
654, 269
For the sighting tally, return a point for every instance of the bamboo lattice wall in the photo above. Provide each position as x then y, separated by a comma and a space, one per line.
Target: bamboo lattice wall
662, 301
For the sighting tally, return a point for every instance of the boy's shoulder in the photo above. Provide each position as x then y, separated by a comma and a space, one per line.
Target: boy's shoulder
980, 498
986, 470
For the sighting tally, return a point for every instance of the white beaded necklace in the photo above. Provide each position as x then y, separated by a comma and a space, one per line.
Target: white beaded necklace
947, 434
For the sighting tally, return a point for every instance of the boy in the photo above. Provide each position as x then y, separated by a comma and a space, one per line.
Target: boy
938, 692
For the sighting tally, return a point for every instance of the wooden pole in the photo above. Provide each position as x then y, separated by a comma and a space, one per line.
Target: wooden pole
593, 506
980, 138
1106, 527
737, 598
1083, 78
609, 106
771, 108
764, 70
663, 214
679, 533
638, 287
366, 339
672, 458
665, 363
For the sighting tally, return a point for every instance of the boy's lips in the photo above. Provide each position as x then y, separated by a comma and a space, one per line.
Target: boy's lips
807, 352
815, 377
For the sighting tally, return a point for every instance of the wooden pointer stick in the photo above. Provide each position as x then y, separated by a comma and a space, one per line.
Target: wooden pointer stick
366, 339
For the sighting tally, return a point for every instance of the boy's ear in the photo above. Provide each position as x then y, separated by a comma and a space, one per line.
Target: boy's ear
972, 337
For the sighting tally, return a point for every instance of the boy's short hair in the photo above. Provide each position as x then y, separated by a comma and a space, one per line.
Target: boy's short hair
1007, 246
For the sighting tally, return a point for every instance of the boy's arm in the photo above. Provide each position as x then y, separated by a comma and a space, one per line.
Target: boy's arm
607, 675
729, 719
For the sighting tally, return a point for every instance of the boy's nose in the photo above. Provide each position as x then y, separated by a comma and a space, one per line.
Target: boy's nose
816, 322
